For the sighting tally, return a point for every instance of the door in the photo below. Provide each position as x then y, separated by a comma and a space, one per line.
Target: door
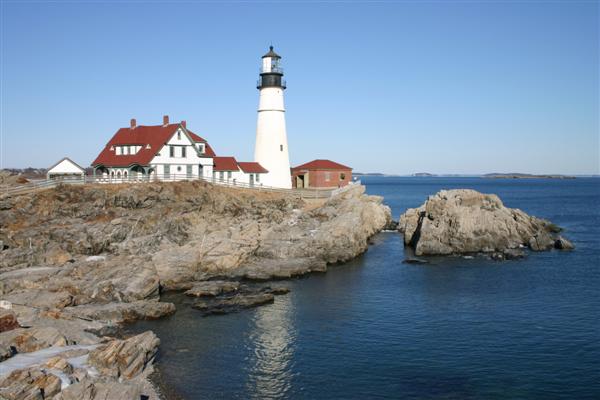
167, 174
188, 171
251, 179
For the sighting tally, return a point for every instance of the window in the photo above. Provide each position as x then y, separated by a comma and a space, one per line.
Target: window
327, 176
342, 176
132, 150
178, 135
125, 174
118, 150
228, 174
171, 151
221, 175
125, 150
257, 177
183, 151
118, 174
201, 148
281, 147
179, 168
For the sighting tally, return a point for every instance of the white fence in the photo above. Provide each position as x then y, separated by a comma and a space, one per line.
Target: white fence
50, 183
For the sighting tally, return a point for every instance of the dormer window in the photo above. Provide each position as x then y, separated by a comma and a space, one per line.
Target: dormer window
118, 150
201, 148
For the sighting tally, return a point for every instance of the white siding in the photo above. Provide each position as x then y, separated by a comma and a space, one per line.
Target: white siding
178, 161
271, 148
65, 167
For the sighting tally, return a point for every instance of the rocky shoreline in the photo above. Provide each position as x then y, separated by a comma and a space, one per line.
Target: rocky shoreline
78, 262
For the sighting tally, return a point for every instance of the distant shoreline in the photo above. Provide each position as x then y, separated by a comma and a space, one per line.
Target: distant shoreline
527, 176
488, 176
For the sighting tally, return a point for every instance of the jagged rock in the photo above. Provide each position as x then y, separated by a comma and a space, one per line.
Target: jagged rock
225, 305
8, 320
275, 289
466, 221
27, 340
29, 384
42, 299
89, 389
513, 254
269, 268
118, 313
212, 288
125, 358
391, 226
414, 260
60, 364
74, 329
5, 351
563, 244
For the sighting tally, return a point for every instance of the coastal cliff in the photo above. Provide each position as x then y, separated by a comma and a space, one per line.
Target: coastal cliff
77, 261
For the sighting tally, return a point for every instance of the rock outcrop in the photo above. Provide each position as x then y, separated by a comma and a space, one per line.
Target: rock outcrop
466, 221
78, 261
125, 358
29, 384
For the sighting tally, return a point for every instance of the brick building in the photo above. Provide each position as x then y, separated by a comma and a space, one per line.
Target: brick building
321, 174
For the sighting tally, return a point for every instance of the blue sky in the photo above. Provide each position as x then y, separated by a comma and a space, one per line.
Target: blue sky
395, 87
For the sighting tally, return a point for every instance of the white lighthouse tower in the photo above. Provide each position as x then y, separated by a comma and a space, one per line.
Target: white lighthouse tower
271, 148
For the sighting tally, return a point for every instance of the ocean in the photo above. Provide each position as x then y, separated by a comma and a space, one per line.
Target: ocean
376, 328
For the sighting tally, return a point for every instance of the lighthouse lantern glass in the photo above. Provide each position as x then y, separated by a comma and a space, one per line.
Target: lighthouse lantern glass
275, 65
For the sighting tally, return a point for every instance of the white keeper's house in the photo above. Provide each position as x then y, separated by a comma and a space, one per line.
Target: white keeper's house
168, 152
66, 169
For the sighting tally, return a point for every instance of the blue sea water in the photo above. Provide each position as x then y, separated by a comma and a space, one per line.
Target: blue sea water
375, 328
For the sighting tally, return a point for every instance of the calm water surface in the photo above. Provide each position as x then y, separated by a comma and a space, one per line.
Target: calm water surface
377, 328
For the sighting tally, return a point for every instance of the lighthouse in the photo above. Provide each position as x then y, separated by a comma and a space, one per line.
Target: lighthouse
271, 148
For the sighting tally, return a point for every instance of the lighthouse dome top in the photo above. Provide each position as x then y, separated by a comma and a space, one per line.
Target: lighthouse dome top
271, 54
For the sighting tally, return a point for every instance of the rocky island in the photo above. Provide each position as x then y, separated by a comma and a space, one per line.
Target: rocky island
77, 262
464, 221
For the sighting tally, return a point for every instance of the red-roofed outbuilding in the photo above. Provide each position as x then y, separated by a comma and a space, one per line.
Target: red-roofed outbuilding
230, 171
321, 174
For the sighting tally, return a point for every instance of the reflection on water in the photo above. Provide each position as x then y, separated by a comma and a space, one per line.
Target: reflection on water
272, 335
377, 328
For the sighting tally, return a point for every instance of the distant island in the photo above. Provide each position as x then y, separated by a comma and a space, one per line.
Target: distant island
516, 175
367, 174
423, 174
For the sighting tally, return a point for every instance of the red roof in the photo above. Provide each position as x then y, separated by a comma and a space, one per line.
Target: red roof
151, 138
321, 164
207, 149
225, 164
252, 168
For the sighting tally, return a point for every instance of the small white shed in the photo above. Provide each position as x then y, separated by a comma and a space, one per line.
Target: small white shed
65, 169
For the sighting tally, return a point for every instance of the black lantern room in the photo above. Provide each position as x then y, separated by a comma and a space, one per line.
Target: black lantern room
271, 72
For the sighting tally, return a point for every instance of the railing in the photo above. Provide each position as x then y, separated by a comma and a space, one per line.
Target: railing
277, 70
306, 193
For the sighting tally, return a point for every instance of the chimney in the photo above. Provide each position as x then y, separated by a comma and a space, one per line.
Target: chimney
133, 123
183, 124
165, 120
